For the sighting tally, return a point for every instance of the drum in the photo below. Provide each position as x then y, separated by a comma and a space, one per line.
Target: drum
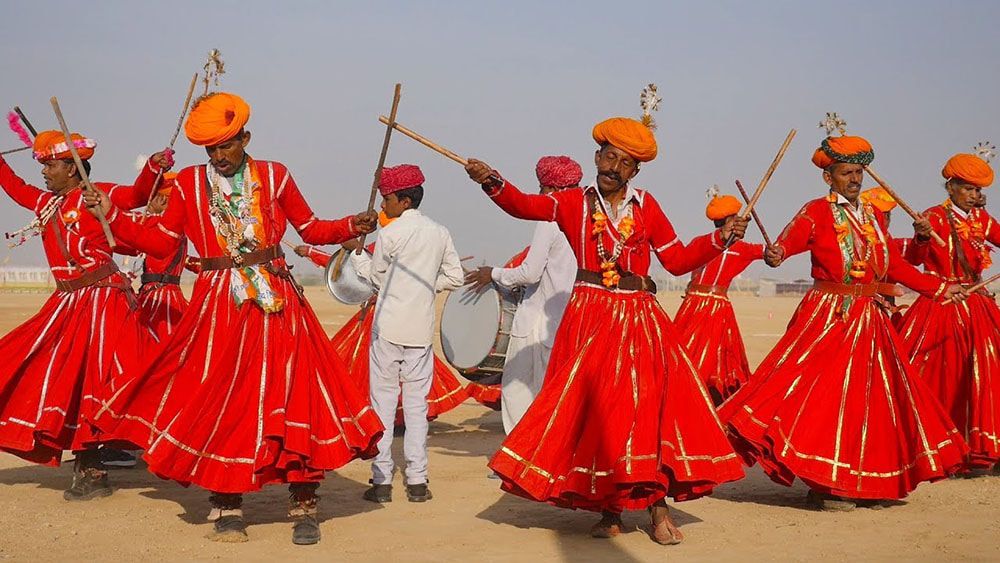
475, 331
346, 286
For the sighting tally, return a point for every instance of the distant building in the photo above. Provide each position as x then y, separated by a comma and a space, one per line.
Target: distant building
17, 278
772, 288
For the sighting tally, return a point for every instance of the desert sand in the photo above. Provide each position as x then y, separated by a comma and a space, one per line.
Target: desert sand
470, 519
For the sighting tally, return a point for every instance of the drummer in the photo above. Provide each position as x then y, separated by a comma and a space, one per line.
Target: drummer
547, 275
414, 258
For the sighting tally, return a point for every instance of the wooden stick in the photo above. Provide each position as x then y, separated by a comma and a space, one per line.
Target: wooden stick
15, 150
424, 141
173, 139
378, 168
338, 263
909, 210
24, 120
79, 167
763, 181
760, 225
983, 284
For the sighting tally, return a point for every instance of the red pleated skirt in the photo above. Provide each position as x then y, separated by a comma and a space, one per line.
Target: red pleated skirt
837, 405
161, 307
237, 398
352, 342
622, 419
955, 349
711, 336
486, 395
58, 366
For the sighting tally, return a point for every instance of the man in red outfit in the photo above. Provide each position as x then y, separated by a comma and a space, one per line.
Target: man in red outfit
81, 346
954, 348
622, 419
247, 391
706, 319
835, 403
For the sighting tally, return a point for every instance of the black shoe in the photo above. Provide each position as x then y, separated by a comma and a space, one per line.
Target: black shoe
229, 529
88, 484
111, 457
379, 493
418, 493
305, 530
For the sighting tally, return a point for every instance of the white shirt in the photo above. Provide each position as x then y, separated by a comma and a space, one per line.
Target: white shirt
414, 259
547, 275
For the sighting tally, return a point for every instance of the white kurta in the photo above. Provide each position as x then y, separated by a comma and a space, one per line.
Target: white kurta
547, 276
414, 259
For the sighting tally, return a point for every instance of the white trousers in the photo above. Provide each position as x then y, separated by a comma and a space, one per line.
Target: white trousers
523, 374
391, 367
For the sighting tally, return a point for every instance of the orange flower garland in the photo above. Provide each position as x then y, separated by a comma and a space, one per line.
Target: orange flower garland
609, 264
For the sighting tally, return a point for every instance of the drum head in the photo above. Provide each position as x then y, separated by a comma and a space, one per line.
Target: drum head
348, 288
469, 325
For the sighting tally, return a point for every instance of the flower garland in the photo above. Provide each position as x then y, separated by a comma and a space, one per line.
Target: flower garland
609, 262
972, 232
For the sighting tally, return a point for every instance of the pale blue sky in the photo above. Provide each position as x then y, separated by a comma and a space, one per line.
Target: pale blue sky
511, 81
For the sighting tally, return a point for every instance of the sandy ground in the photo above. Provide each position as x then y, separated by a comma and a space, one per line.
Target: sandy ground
470, 519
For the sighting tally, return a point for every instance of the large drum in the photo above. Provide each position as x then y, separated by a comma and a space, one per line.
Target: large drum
475, 331
343, 282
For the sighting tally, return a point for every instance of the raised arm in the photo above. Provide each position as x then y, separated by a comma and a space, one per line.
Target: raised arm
675, 256
798, 235
23, 194
157, 236
901, 271
137, 195
301, 216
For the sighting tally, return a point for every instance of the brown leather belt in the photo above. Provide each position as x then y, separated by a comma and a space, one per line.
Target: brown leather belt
857, 290
249, 259
160, 278
628, 281
89, 278
717, 290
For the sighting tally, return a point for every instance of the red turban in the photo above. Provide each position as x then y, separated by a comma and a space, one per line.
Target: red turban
723, 206
628, 135
852, 150
396, 178
968, 168
216, 118
51, 145
558, 172
879, 199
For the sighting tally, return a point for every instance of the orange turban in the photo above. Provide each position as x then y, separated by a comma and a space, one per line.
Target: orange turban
968, 168
852, 150
879, 199
51, 145
720, 207
628, 135
216, 118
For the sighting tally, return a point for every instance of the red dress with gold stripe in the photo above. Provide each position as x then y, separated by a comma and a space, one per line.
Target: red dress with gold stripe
956, 348
836, 403
82, 345
352, 342
707, 322
622, 419
238, 397
161, 303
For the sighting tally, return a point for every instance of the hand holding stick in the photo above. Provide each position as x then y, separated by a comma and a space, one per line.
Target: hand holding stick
760, 225
763, 181
87, 186
378, 168
909, 210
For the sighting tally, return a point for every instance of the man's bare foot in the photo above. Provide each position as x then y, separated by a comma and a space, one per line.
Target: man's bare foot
665, 531
609, 526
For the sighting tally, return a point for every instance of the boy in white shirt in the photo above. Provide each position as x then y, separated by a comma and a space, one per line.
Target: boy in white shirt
414, 259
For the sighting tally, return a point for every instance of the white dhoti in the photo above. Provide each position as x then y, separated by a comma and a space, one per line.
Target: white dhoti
392, 367
523, 374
